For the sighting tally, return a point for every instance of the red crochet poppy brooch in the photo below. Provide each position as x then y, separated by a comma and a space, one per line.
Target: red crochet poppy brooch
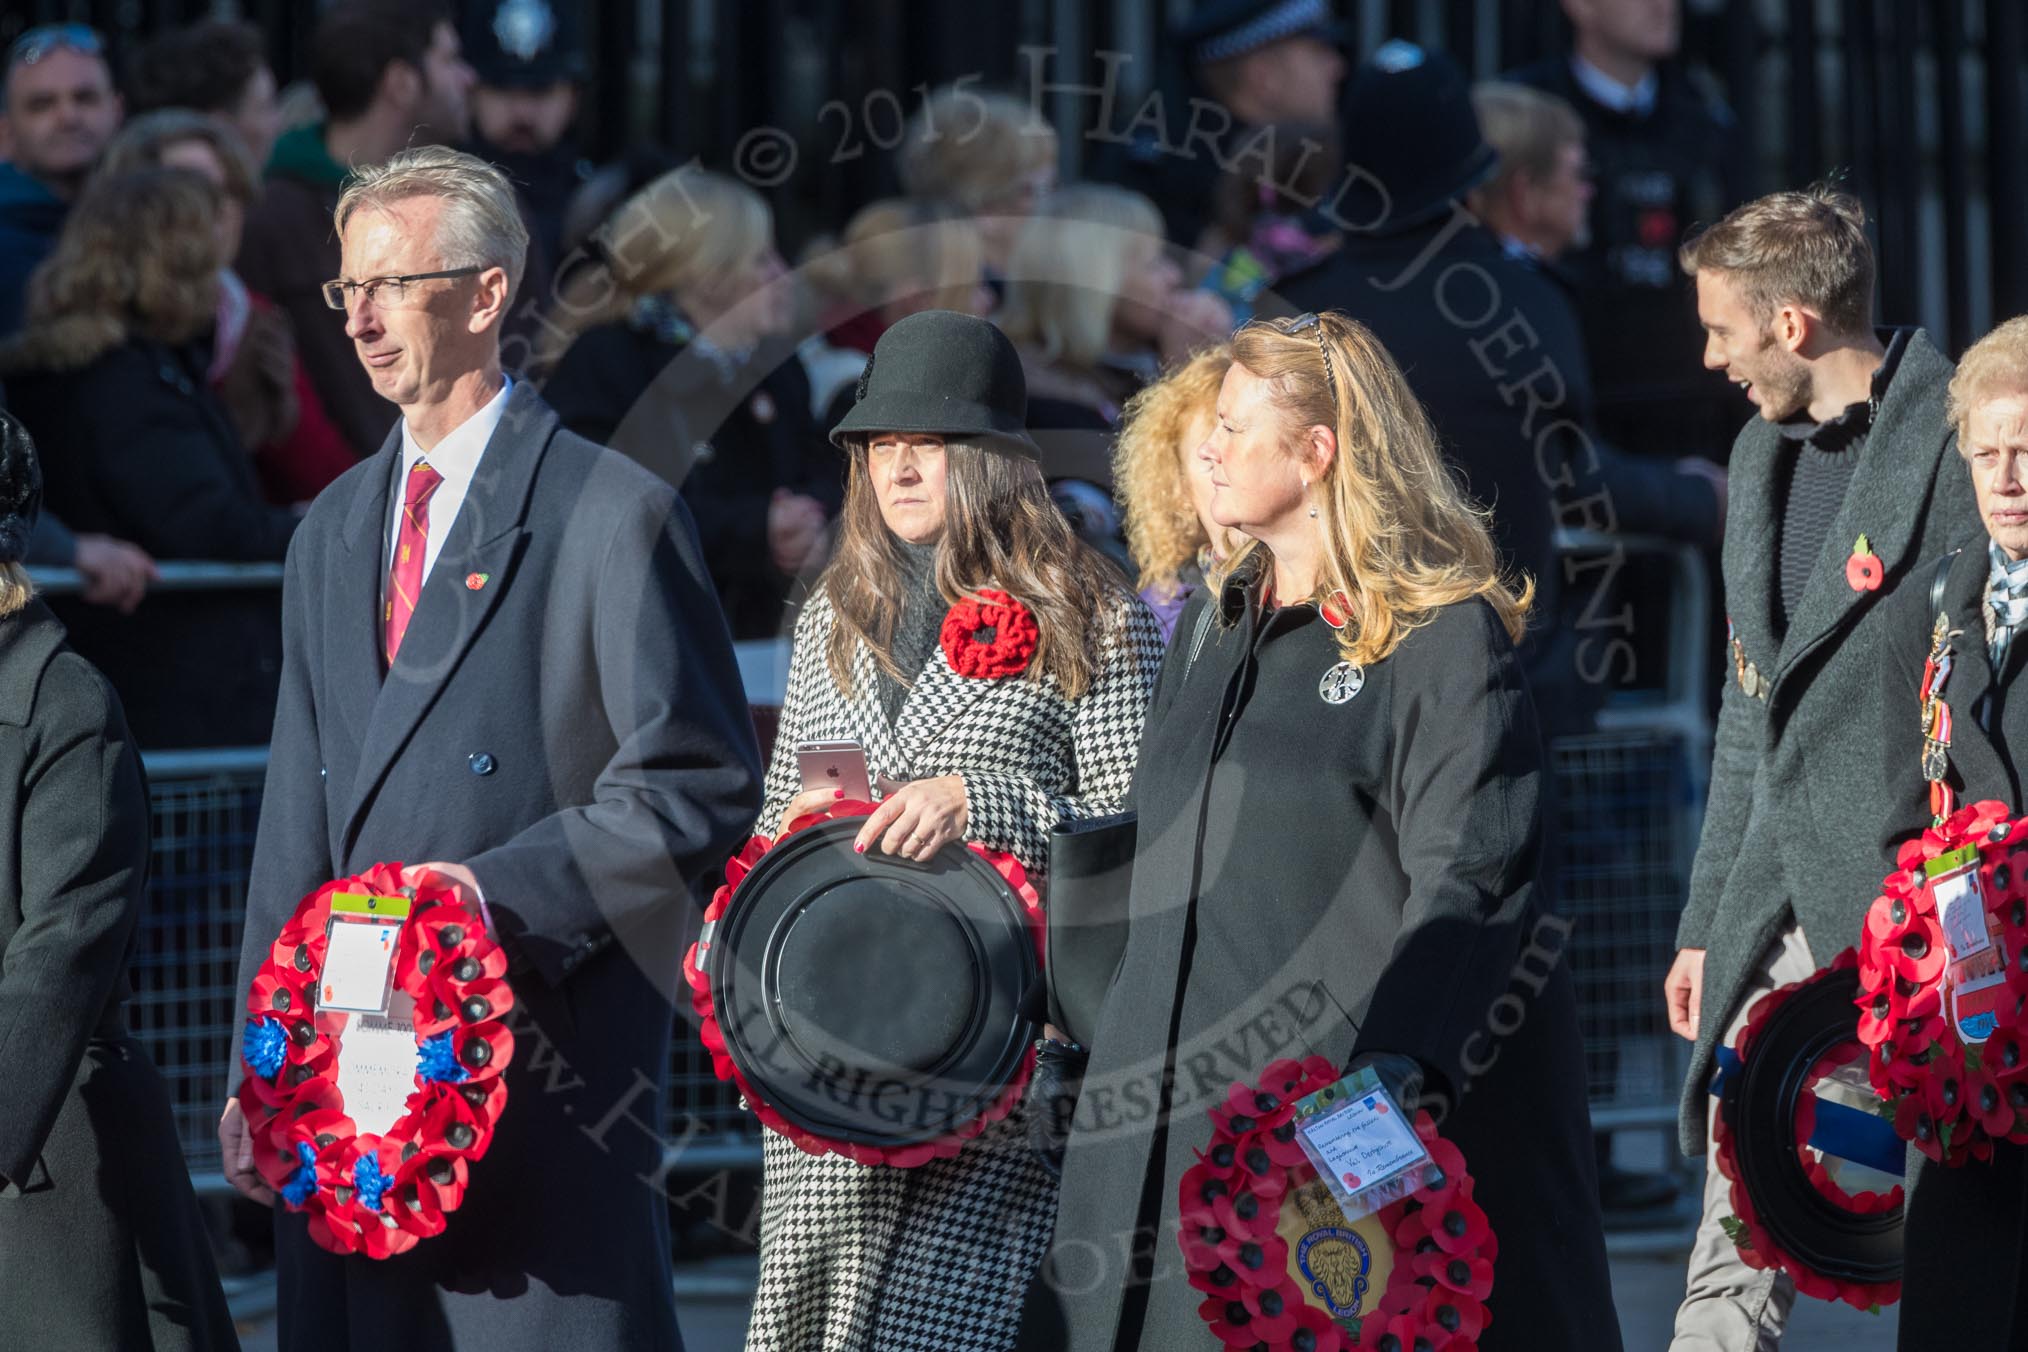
990, 636
1281, 1268
378, 1194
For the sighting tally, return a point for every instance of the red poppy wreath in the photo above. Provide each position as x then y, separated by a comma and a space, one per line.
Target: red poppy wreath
1943, 981
378, 1194
944, 1146
989, 636
1758, 1246
1282, 1269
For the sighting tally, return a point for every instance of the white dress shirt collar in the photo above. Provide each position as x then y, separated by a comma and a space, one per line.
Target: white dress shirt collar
1637, 99
456, 458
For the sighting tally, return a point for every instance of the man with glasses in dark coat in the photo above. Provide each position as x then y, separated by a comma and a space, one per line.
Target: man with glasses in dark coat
503, 664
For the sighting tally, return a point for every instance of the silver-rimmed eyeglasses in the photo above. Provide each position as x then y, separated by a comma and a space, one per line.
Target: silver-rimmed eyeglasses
389, 291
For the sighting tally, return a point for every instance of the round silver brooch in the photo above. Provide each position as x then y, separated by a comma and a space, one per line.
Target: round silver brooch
1341, 683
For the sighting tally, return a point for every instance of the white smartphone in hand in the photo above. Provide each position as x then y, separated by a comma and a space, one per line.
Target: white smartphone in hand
834, 766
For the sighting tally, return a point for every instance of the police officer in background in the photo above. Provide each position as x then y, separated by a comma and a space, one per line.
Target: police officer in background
524, 114
1252, 63
1665, 155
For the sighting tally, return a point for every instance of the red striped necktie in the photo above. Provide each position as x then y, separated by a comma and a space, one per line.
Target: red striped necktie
404, 579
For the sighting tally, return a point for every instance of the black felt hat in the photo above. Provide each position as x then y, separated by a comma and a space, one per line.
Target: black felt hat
20, 488
1407, 122
868, 999
941, 372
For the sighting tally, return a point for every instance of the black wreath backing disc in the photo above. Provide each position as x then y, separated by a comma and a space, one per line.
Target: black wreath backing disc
1759, 1104
869, 999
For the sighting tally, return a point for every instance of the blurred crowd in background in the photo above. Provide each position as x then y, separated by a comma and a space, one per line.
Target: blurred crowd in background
165, 233
165, 238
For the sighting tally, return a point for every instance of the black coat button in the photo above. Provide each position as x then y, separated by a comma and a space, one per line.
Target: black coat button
481, 763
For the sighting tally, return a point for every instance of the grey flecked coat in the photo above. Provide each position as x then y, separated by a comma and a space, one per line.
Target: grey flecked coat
1785, 835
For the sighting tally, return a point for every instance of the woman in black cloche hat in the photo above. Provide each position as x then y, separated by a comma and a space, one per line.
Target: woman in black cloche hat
100, 1241
981, 737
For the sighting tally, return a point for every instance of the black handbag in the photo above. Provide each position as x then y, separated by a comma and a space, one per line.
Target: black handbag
1091, 873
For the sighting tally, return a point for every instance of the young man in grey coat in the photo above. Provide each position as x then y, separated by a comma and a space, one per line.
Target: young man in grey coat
1840, 488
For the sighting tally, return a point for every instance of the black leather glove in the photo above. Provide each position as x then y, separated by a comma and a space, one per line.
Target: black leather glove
1401, 1076
1052, 1098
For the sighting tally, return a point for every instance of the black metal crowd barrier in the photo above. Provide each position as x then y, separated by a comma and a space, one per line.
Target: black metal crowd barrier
1629, 803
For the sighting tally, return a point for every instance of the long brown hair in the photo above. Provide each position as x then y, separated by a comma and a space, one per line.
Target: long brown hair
138, 258
1400, 536
1001, 530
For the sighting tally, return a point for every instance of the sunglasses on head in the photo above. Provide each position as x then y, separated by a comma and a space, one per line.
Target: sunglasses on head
39, 42
1292, 327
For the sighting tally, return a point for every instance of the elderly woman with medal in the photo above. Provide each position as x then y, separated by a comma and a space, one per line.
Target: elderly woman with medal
968, 662
1338, 798
1952, 733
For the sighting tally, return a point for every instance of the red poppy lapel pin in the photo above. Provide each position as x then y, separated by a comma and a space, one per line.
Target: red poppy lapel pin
476, 581
1863, 570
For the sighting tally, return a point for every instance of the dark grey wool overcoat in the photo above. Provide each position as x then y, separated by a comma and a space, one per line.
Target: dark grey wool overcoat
1781, 840
565, 717
1967, 1235
101, 1244
1332, 879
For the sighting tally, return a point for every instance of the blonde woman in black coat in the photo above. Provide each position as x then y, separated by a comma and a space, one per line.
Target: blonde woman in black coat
1338, 838
100, 1241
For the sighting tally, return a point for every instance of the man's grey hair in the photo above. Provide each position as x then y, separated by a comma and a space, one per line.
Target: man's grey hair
481, 225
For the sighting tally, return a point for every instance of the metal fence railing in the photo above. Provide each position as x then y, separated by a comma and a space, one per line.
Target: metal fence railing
1624, 849
185, 1008
1628, 804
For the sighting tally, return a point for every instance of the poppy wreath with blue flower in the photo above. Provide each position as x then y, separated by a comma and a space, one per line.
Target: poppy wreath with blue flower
378, 1195
1236, 1244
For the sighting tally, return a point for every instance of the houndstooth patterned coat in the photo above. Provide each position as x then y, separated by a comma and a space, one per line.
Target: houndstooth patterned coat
858, 1258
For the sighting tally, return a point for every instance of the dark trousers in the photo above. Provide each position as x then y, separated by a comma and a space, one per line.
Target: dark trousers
1964, 1284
